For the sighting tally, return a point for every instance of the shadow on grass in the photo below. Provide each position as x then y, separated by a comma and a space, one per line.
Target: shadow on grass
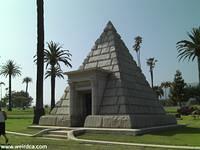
181, 130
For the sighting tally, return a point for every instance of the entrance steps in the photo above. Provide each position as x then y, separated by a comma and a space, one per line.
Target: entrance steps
52, 131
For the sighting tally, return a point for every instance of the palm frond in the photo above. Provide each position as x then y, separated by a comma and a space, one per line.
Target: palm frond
189, 49
10, 68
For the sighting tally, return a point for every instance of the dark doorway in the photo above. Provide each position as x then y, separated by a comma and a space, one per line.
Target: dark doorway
88, 104
85, 106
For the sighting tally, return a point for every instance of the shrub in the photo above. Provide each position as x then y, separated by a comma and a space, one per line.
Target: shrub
185, 110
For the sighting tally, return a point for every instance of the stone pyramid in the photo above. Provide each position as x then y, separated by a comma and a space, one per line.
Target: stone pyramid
127, 100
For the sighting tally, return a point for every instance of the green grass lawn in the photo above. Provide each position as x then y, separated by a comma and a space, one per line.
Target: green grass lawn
19, 123
68, 144
189, 135
171, 109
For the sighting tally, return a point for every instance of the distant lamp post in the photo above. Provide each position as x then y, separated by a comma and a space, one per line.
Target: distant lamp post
1, 83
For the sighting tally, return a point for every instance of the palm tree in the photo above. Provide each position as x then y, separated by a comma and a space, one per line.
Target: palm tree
27, 80
151, 63
39, 110
190, 48
166, 85
10, 69
1, 83
53, 73
136, 47
53, 56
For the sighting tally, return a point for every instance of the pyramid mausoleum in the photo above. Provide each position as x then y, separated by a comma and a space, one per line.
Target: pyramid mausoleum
108, 90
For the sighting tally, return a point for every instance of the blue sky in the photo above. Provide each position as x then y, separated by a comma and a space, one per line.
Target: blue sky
78, 23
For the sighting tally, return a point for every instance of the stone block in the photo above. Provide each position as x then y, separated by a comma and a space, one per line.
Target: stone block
48, 120
122, 109
117, 75
109, 68
58, 104
113, 55
111, 83
65, 103
122, 100
120, 92
108, 109
128, 121
112, 42
105, 44
112, 49
54, 110
63, 120
93, 59
103, 57
114, 61
118, 83
116, 122
105, 50
110, 92
111, 100
104, 63
91, 65
62, 111
96, 52
93, 121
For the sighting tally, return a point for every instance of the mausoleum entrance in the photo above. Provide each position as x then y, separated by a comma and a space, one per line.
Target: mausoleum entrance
86, 93
84, 98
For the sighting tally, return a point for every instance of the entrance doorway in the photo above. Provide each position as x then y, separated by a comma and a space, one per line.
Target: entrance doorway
85, 103
87, 98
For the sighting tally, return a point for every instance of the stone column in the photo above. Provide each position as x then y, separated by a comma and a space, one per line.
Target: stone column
72, 102
94, 86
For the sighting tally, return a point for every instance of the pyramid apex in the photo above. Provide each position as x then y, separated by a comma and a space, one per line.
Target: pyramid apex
109, 26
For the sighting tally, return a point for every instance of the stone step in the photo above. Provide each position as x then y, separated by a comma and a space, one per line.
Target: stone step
48, 127
55, 136
59, 132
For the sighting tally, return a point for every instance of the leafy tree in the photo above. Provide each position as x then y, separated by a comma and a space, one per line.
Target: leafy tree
136, 47
166, 85
1, 83
159, 91
20, 99
190, 48
192, 92
10, 69
151, 63
4, 101
53, 56
27, 80
177, 89
39, 110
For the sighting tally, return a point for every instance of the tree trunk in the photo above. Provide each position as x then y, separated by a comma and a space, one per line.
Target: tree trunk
151, 72
138, 57
39, 110
27, 89
52, 91
10, 96
198, 61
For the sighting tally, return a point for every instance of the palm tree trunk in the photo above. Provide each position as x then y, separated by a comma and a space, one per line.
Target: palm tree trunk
39, 110
138, 58
27, 89
53, 91
199, 68
151, 72
10, 96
